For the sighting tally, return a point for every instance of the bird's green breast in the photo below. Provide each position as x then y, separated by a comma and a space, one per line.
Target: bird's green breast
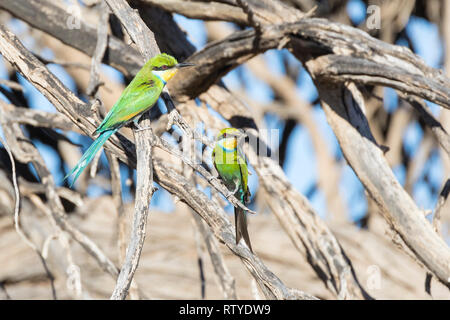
230, 166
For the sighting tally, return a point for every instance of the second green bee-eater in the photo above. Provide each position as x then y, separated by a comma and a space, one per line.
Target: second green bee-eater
140, 95
231, 165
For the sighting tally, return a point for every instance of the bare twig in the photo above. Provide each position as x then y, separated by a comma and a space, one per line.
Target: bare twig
225, 280
443, 198
142, 36
19, 230
102, 44
435, 126
202, 10
38, 118
200, 246
11, 84
250, 16
28, 188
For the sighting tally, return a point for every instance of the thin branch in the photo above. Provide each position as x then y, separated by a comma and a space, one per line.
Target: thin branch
11, 84
250, 16
224, 278
200, 246
435, 126
201, 10
141, 35
38, 118
19, 231
28, 188
100, 48
443, 198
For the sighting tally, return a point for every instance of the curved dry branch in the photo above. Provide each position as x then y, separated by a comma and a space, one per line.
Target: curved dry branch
264, 11
403, 76
202, 10
357, 57
52, 19
344, 105
435, 126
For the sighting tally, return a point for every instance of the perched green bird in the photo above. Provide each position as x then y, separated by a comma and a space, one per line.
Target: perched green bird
231, 165
140, 95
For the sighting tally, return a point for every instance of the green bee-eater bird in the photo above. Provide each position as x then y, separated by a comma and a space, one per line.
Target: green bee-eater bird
231, 165
140, 95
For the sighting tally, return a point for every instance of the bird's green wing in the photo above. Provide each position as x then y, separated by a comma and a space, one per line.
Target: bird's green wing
244, 170
139, 96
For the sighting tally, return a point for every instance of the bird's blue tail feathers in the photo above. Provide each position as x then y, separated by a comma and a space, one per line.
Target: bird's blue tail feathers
89, 154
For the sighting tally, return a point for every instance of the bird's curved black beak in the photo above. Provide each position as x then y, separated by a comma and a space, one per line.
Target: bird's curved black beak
184, 65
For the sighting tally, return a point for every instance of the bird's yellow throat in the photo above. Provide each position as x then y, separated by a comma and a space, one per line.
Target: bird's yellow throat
167, 74
229, 143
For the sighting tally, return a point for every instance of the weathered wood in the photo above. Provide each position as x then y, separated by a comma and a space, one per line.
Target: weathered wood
343, 105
